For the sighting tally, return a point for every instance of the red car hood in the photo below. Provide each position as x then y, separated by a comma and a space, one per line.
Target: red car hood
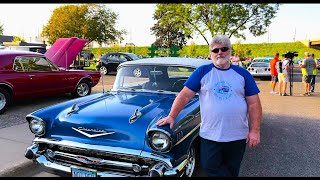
65, 50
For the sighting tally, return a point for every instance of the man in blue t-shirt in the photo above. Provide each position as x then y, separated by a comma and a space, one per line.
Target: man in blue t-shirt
230, 110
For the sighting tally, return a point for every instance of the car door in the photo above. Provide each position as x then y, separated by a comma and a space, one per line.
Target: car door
44, 78
113, 61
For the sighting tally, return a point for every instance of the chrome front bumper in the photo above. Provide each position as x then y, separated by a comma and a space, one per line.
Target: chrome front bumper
162, 168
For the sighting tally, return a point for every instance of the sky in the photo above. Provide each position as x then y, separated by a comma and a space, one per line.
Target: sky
293, 22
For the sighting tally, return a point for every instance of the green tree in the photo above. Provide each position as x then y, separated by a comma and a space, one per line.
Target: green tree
168, 35
192, 49
230, 19
89, 21
1, 29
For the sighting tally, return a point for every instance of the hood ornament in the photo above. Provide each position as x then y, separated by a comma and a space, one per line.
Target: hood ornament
74, 108
135, 116
82, 130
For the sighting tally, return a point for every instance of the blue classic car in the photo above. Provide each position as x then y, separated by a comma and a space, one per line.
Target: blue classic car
113, 133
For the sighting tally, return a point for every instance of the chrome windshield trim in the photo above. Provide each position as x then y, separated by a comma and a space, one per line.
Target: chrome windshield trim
108, 149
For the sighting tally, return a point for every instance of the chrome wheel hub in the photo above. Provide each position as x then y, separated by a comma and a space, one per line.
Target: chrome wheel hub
104, 70
191, 163
83, 89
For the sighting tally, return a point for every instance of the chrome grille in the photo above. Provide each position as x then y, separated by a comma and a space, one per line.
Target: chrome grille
115, 162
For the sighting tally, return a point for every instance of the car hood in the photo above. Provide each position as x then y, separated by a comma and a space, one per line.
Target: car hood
115, 119
65, 50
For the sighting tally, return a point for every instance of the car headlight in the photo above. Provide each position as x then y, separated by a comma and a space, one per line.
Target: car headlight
159, 141
37, 126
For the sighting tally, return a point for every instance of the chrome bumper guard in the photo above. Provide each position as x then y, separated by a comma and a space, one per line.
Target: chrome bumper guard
158, 170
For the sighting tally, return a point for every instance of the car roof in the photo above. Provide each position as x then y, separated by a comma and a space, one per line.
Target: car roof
172, 61
118, 53
260, 63
18, 52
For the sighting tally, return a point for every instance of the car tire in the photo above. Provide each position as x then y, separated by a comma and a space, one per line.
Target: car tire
192, 162
83, 89
4, 100
104, 70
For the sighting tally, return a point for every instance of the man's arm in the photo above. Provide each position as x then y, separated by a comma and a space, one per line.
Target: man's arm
255, 116
181, 100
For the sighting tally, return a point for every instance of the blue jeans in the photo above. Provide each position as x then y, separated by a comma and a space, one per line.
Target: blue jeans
222, 158
313, 82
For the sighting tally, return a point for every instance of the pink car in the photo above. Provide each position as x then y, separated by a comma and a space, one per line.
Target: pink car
26, 75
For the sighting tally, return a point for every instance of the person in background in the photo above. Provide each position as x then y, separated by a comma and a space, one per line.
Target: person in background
235, 60
283, 76
274, 73
230, 110
307, 66
314, 74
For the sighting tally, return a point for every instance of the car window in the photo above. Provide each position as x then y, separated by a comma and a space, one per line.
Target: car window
260, 65
123, 57
179, 71
143, 77
18, 65
32, 64
113, 57
261, 60
133, 56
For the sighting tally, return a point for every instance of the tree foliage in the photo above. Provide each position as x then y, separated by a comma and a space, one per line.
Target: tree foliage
231, 19
1, 29
89, 21
18, 39
168, 35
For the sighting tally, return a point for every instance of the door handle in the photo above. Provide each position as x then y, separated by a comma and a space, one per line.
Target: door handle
31, 76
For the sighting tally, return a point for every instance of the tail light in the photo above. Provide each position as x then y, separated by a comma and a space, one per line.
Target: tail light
98, 60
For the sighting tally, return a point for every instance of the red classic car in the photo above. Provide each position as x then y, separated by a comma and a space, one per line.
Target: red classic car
25, 75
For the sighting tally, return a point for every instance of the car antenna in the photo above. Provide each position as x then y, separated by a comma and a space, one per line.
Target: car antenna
65, 52
102, 75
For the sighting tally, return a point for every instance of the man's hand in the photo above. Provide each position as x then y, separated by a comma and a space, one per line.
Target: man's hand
166, 120
253, 139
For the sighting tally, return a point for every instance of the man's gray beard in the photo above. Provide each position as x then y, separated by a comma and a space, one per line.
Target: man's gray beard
222, 61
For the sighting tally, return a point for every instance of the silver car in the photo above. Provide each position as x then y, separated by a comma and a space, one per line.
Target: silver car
260, 69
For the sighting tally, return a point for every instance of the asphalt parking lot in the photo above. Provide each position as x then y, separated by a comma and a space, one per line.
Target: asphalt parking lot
289, 132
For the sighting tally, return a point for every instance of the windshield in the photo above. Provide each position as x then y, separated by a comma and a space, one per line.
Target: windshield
151, 78
133, 56
260, 65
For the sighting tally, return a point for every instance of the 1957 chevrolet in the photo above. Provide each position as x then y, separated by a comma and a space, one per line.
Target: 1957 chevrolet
113, 133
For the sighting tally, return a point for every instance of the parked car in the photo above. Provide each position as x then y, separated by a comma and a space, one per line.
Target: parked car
109, 62
260, 69
113, 133
27, 75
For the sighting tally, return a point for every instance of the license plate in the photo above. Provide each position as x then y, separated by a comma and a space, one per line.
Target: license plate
83, 172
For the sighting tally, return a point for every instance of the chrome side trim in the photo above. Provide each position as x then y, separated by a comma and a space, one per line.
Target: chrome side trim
107, 149
187, 135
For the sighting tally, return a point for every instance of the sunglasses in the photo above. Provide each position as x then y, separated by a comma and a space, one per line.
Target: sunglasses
223, 49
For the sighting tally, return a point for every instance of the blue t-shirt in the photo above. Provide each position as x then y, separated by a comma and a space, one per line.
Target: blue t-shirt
223, 107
